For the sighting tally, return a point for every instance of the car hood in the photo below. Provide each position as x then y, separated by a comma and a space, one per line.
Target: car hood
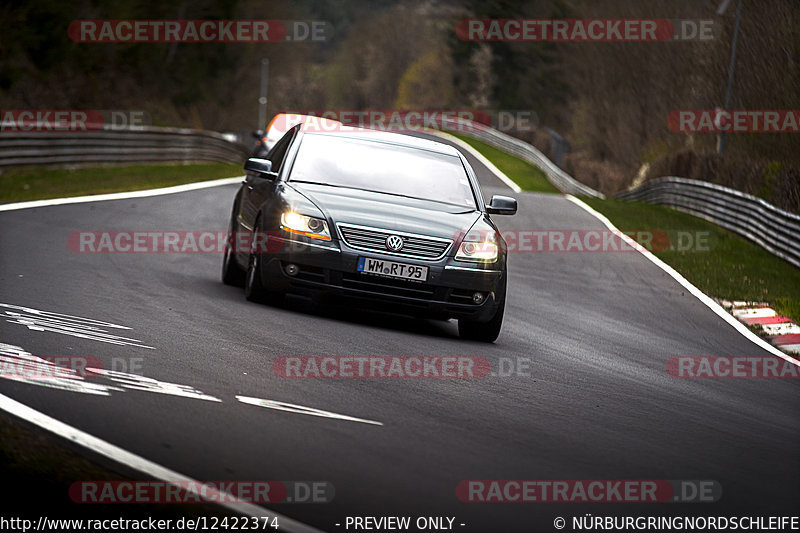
390, 212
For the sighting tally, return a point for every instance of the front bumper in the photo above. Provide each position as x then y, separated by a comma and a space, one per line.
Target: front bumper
328, 272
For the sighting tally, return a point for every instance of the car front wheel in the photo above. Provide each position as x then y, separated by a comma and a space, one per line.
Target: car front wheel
232, 273
254, 288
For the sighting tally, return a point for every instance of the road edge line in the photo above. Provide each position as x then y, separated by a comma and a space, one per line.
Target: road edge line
686, 284
121, 195
136, 462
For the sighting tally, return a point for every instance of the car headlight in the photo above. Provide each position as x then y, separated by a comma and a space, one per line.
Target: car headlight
314, 228
477, 249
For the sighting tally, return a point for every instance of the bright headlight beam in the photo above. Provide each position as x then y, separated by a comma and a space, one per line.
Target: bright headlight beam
477, 251
301, 224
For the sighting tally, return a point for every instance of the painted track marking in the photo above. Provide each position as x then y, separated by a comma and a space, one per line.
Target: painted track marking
302, 410
121, 195
75, 326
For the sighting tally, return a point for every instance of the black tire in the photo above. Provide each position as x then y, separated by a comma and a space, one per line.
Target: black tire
232, 273
483, 331
254, 289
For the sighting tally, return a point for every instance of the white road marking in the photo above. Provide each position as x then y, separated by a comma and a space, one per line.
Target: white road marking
302, 410
697, 293
16, 364
75, 326
784, 328
736, 303
139, 463
758, 312
121, 195
142, 383
479, 156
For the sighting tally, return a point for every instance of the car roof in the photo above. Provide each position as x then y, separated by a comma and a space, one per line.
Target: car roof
382, 136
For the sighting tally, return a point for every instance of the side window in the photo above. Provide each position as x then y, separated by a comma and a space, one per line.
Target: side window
278, 151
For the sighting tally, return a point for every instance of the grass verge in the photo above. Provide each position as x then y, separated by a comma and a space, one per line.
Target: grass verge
528, 177
21, 185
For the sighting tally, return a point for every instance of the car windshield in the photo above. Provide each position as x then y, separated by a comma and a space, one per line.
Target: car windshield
382, 167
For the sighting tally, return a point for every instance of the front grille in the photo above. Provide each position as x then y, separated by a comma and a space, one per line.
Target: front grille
374, 240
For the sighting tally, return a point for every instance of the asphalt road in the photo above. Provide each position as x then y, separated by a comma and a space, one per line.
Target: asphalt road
596, 328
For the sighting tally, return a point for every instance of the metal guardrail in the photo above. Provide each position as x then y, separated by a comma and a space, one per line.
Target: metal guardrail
775, 230
563, 181
144, 144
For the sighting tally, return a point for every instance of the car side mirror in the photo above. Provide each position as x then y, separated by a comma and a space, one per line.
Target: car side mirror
260, 167
258, 134
502, 205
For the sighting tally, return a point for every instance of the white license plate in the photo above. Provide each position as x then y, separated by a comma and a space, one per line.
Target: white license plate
392, 269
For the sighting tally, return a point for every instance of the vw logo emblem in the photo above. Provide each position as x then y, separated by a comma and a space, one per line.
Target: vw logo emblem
394, 243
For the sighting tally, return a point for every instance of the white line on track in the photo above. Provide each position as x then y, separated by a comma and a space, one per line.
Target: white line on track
302, 410
75, 326
121, 195
138, 463
697, 293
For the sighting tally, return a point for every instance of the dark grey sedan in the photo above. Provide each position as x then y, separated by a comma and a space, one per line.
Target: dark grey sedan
387, 221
